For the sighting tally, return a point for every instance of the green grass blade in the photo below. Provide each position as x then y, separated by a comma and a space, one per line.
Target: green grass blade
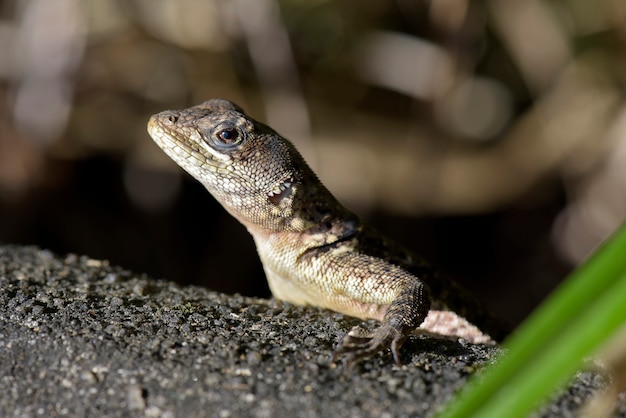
558, 361
563, 306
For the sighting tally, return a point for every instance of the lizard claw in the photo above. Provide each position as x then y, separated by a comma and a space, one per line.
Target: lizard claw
360, 344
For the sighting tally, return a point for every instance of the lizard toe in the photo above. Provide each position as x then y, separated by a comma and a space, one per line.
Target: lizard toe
360, 344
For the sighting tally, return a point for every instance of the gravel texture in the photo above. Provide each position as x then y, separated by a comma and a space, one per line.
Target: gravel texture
79, 337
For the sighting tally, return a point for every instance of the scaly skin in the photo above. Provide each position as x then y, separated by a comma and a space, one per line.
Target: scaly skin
314, 251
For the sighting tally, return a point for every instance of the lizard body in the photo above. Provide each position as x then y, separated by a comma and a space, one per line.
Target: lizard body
314, 251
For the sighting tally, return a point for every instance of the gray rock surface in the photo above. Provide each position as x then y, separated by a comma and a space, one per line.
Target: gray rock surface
81, 338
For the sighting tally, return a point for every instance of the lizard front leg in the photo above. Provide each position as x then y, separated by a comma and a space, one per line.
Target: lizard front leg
341, 277
403, 315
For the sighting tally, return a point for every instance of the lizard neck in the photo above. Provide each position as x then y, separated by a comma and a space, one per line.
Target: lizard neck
293, 201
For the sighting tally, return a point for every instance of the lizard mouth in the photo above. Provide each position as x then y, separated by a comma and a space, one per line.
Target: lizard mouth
161, 137
184, 152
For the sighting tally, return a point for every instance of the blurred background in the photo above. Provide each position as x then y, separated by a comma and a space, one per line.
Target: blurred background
487, 136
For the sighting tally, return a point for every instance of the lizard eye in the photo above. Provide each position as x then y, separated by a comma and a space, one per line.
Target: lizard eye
226, 136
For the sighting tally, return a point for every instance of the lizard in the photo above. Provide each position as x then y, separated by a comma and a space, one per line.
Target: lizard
315, 251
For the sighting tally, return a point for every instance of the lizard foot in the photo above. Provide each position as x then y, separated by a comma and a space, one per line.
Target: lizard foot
360, 343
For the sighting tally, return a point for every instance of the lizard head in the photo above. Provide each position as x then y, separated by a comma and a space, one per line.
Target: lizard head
255, 173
